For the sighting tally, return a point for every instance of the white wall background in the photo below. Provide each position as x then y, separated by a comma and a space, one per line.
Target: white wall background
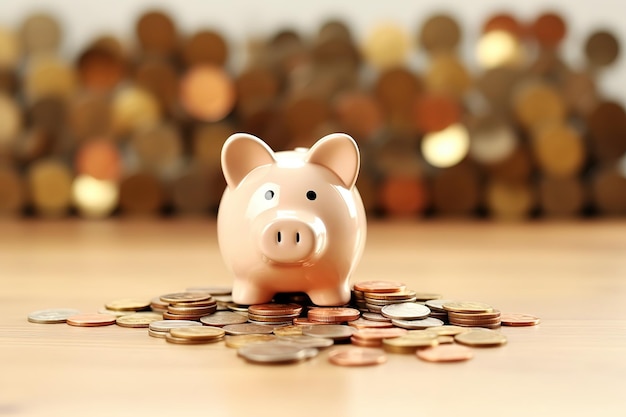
239, 19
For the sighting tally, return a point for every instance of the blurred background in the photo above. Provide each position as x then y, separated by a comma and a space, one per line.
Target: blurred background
487, 109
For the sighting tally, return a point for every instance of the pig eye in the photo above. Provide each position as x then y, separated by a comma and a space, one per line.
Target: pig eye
269, 194
311, 195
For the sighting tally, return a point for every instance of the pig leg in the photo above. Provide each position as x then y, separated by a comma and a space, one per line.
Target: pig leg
248, 293
332, 296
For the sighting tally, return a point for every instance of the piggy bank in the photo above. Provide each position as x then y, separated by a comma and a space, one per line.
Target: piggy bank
291, 221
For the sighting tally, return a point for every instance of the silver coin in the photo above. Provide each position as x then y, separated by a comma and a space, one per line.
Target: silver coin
248, 328
329, 331
375, 317
272, 352
52, 315
405, 311
306, 341
223, 318
374, 308
418, 324
166, 325
437, 305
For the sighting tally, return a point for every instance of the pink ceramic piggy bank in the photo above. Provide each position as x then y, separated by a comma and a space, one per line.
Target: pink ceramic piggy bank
291, 221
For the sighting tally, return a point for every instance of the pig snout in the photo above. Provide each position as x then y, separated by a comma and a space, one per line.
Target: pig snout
292, 241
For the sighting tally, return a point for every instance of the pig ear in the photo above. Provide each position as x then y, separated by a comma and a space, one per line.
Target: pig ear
242, 153
339, 153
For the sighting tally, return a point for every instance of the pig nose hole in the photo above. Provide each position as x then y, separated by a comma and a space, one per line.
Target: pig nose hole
297, 237
279, 237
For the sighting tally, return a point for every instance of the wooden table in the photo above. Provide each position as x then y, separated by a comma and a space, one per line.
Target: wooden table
572, 275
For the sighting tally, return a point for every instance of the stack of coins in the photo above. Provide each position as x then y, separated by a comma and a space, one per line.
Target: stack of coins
273, 313
188, 305
161, 328
472, 314
373, 295
193, 335
332, 315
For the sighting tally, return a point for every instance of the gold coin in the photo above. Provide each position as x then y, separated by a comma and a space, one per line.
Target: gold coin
467, 307
386, 46
128, 304
10, 121
294, 330
537, 104
138, 319
559, 150
481, 338
10, 49
241, 340
410, 343
198, 333
12, 191
185, 341
447, 74
50, 184
510, 200
185, 297
49, 76
40, 33
134, 108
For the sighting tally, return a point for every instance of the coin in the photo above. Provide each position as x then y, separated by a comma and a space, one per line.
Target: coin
356, 357
52, 315
378, 334
205, 47
418, 324
467, 307
91, 320
138, 319
306, 341
474, 316
379, 286
272, 352
434, 112
241, 340
157, 305
50, 186
386, 46
275, 309
166, 325
548, 29
409, 343
446, 330
398, 295
446, 353
187, 341
128, 304
115, 313
198, 333
329, 331
213, 290
481, 338
292, 330
375, 317
369, 324
516, 319
602, 48
207, 92
154, 333
185, 297
223, 318
333, 314
195, 310
247, 328
440, 33
405, 311
403, 195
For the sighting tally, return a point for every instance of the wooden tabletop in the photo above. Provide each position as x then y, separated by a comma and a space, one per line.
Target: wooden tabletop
571, 275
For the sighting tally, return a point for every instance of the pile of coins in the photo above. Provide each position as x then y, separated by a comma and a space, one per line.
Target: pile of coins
136, 129
296, 330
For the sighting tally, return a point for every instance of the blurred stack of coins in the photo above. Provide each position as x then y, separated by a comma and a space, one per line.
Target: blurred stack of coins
136, 129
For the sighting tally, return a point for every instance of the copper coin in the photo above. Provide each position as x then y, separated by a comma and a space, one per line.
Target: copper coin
99, 158
91, 320
457, 191
516, 319
157, 33
447, 74
256, 86
159, 77
380, 286
403, 196
580, 92
390, 296
396, 89
562, 197
440, 33
304, 321
187, 341
138, 319
445, 353
333, 314
367, 343
193, 310
356, 357
52, 315
504, 22
409, 344
90, 117
50, 186
358, 114
207, 93
369, 324
378, 334
48, 113
275, 309
510, 199
100, 69
474, 315
548, 29
304, 113
602, 48
609, 191
559, 150
434, 112
457, 321
607, 127
205, 47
